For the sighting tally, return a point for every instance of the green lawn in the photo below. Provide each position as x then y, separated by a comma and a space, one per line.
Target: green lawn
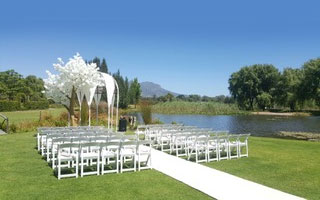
24, 175
31, 115
288, 165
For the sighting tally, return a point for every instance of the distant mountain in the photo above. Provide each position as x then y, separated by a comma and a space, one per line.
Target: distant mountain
149, 89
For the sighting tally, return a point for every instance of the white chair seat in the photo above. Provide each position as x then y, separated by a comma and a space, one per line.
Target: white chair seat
127, 152
90, 155
108, 154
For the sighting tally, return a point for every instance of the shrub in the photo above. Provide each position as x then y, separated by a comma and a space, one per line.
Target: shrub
46, 117
35, 105
146, 112
9, 105
60, 123
157, 121
13, 128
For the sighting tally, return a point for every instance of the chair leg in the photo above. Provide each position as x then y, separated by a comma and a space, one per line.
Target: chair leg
121, 163
59, 169
98, 165
135, 163
77, 166
139, 163
196, 155
117, 164
102, 165
247, 148
81, 173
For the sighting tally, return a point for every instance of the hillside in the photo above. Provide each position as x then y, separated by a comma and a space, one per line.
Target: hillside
149, 89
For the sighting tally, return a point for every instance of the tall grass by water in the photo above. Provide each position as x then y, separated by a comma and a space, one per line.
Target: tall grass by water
203, 108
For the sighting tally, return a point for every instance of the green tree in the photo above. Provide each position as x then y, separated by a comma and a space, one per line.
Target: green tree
310, 83
169, 97
97, 61
194, 97
134, 92
288, 89
103, 67
251, 81
264, 100
123, 89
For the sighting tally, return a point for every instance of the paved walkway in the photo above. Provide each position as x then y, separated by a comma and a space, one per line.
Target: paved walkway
214, 183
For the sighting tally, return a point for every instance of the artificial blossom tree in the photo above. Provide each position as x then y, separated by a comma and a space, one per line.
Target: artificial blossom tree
77, 79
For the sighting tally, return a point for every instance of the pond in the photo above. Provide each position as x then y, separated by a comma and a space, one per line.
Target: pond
258, 125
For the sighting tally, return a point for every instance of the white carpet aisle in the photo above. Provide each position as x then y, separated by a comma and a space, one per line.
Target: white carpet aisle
214, 183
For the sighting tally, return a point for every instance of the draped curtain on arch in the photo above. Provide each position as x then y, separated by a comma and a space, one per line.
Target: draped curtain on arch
110, 83
90, 92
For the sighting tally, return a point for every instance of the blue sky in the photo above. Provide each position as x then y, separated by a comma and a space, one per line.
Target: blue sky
189, 47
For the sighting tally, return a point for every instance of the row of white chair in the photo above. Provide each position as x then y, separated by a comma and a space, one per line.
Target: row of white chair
52, 141
214, 146
100, 155
42, 137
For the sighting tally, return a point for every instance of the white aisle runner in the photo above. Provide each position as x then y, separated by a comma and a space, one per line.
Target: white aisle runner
214, 183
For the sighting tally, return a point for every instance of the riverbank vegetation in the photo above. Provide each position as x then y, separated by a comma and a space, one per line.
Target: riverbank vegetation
288, 165
263, 86
203, 108
300, 135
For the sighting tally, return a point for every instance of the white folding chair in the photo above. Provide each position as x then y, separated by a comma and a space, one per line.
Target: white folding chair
199, 149
128, 153
212, 149
223, 149
179, 145
233, 146
109, 150
144, 154
243, 142
164, 141
68, 153
89, 152
54, 149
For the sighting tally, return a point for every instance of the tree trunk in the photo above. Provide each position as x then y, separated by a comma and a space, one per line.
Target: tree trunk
71, 108
84, 112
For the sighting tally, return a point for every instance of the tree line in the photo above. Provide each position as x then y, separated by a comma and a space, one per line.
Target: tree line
263, 86
14, 87
192, 98
17, 91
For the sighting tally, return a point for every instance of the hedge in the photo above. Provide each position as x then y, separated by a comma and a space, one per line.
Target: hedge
9, 105
34, 105
15, 105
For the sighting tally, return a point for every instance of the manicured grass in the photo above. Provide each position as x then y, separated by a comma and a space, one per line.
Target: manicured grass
31, 115
24, 175
288, 165
204, 108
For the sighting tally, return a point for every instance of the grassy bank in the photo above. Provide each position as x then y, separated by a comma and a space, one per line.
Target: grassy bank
24, 175
31, 115
203, 108
288, 165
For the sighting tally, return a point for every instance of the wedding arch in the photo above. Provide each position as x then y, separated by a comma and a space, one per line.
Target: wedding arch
81, 79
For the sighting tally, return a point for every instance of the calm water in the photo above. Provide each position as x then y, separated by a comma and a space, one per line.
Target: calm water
254, 124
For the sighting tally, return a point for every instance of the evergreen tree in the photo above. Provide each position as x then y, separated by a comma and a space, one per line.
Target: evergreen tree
103, 67
97, 61
134, 92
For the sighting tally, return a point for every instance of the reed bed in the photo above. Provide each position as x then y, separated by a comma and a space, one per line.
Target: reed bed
202, 108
